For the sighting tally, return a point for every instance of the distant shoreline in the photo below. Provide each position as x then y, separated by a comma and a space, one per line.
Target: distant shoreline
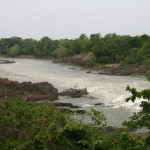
106, 69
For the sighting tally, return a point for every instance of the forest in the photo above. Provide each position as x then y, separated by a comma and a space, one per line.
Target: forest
95, 49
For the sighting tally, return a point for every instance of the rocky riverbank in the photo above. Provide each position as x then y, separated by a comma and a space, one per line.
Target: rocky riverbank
28, 90
107, 69
117, 69
36, 91
43, 92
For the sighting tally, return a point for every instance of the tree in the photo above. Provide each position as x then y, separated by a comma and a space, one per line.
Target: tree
144, 53
45, 47
28, 47
141, 118
64, 49
83, 43
95, 37
14, 50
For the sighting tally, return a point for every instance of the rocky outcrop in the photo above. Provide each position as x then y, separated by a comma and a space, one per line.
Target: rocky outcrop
72, 68
74, 93
89, 71
28, 90
60, 104
78, 111
6, 61
99, 104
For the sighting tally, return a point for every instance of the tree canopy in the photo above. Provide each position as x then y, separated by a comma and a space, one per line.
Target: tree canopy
111, 48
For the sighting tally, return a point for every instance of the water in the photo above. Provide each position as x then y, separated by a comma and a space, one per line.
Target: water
110, 90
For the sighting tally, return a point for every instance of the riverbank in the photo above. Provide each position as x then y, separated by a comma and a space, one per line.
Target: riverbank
106, 69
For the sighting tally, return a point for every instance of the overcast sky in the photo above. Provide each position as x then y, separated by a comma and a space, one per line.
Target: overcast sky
69, 18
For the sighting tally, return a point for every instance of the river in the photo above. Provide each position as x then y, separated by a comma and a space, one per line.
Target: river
107, 89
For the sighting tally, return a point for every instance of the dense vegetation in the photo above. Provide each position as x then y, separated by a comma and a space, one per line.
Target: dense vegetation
111, 48
42, 127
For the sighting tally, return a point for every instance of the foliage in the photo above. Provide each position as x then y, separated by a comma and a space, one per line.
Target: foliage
64, 50
39, 126
148, 75
98, 118
33, 126
111, 48
14, 50
141, 118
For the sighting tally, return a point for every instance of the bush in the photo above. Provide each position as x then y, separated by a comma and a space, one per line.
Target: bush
33, 126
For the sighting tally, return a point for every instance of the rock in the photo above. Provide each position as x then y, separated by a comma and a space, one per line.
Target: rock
74, 93
6, 61
80, 111
92, 97
75, 106
83, 91
104, 73
59, 104
99, 104
28, 90
88, 72
72, 68
72, 111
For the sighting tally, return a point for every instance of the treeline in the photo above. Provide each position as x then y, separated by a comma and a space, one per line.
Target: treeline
111, 48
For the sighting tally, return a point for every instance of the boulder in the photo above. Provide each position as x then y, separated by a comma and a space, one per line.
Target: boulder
6, 61
101, 104
88, 72
72, 111
28, 90
71, 68
74, 93
60, 104
80, 111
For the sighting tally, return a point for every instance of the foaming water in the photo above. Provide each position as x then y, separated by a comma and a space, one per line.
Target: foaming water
110, 90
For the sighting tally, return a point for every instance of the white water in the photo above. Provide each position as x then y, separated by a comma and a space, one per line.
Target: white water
110, 90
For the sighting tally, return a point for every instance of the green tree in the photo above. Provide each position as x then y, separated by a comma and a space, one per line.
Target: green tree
45, 47
64, 49
83, 43
144, 53
141, 118
14, 50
